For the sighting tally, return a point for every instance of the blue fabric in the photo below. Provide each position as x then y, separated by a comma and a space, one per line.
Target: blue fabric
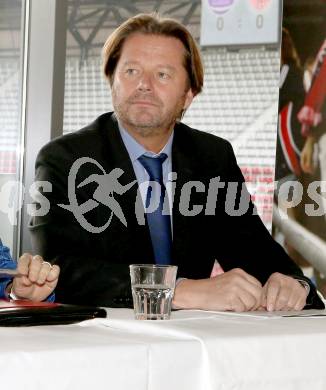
6, 261
135, 150
158, 220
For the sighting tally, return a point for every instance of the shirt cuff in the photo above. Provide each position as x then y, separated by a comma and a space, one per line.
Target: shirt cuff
50, 298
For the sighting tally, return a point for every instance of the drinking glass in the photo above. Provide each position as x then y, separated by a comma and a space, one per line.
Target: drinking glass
152, 290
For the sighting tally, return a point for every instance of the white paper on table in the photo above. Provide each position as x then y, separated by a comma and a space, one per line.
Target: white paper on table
277, 314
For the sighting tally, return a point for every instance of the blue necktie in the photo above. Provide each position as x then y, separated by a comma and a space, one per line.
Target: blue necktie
159, 224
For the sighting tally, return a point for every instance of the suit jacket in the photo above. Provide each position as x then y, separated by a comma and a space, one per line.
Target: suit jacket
94, 266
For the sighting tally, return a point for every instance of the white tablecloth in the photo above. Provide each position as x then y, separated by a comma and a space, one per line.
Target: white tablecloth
195, 350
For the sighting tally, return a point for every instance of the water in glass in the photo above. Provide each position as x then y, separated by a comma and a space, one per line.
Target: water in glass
152, 302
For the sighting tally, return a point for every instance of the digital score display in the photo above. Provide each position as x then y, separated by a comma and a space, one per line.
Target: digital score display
260, 5
240, 22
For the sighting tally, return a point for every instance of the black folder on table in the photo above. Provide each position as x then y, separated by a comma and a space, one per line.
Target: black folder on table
26, 313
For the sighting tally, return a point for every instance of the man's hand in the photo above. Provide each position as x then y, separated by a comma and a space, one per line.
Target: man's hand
282, 292
37, 278
307, 156
234, 290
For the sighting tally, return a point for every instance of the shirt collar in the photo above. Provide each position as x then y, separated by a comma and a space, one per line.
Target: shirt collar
135, 149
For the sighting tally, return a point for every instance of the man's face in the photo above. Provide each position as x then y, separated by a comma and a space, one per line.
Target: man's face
150, 85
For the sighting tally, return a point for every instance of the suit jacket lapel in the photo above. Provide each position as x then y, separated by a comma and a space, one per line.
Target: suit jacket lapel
118, 157
182, 165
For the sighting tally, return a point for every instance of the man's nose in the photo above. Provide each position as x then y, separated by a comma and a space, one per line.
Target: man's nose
145, 82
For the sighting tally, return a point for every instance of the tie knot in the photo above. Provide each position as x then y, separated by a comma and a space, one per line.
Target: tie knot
153, 166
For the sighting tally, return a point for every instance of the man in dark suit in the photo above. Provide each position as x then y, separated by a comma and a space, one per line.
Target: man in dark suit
95, 229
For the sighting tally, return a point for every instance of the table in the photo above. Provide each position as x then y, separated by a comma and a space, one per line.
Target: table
195, 350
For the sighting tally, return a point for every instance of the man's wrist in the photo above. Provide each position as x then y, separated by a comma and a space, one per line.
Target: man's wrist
12, 296
179, 280
304, 284
7, 290
188, 294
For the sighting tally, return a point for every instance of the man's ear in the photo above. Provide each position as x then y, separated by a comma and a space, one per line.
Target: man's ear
188, 99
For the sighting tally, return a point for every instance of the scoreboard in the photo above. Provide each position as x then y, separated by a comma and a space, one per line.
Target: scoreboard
240, 22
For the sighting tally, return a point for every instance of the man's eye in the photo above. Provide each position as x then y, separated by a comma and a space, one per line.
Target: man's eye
131, 71
163, 75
